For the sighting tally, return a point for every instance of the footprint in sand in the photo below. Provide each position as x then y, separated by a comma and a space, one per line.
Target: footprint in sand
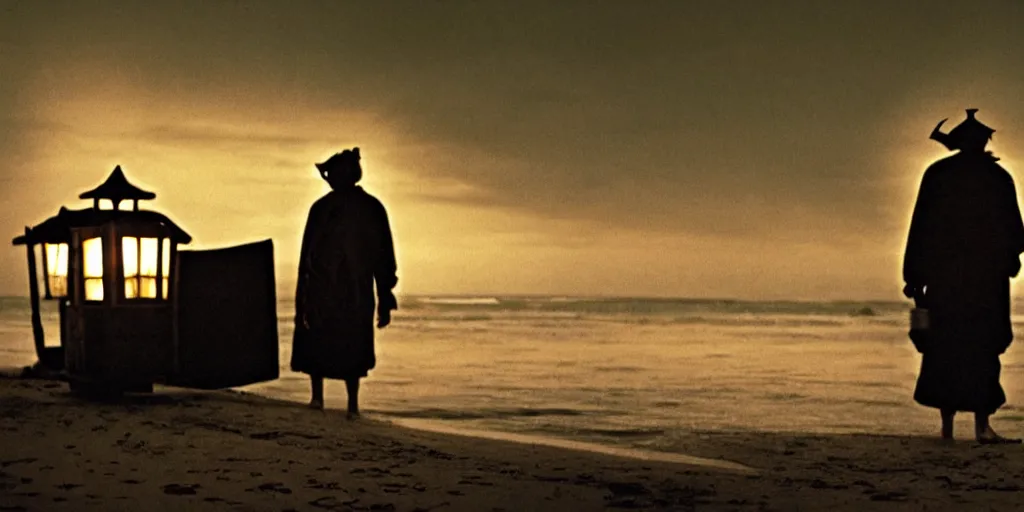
214, 499
627, 488
445, 504
313, 483
267, 436
332, 503
475, 480
889, 496
271, 487
180, 489
27, 460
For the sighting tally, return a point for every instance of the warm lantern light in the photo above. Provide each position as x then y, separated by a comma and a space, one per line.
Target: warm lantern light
141, 258
92, 259
148, 261
57, 269
130, 255
166, 264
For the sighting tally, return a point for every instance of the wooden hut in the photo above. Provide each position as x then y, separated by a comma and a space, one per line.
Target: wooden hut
134, 310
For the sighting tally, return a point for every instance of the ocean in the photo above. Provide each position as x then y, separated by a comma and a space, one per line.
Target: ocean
623, 372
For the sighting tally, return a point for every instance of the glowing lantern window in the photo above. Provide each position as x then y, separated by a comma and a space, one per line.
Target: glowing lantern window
140, 267
148, 261
166, 264
92, 259
57, 269
130, 255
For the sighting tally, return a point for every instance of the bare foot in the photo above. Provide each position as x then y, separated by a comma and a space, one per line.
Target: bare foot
316, 404
353, 415
989, 436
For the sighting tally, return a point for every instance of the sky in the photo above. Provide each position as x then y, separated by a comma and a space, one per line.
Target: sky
726, 149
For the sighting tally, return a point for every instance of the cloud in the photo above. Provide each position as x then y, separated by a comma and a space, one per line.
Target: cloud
779, 123
222, 137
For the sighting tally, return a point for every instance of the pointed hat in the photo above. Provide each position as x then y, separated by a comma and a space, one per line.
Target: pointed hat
970, 128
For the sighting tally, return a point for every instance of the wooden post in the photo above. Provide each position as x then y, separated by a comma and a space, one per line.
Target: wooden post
46, 273
63, 308
33, 294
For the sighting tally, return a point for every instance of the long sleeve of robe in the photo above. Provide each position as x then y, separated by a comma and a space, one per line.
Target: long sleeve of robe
385, 271
915, 262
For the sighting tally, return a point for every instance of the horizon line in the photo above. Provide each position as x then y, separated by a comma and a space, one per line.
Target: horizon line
475, 295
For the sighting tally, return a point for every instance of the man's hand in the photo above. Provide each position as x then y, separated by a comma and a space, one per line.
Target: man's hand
383, 317
385, 303
912, 291
1015, 267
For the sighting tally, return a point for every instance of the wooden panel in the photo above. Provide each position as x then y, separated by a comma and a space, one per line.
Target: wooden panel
125, 345
137, 343
74, 345
226, 317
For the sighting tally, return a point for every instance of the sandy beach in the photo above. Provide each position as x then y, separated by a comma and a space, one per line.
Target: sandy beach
188, 450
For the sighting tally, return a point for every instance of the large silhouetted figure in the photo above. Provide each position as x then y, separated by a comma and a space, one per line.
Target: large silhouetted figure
346, 250
964, 244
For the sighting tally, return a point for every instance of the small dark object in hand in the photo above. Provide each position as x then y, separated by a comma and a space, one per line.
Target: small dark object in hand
919, 328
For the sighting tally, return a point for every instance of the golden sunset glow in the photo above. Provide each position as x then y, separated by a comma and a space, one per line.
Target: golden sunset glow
512, 254
639, 172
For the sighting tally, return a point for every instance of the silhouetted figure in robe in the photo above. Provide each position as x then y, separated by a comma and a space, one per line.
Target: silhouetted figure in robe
346, 250
965, 239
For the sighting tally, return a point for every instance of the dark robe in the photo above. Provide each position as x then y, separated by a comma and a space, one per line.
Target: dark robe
965, 239
346, 250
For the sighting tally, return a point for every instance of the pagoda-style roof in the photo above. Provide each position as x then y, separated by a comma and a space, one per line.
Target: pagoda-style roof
57, 229
117, 189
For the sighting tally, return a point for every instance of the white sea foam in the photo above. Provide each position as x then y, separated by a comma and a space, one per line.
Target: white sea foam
461, 301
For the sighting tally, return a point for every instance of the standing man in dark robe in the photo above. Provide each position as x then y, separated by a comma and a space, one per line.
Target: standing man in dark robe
965, 240
347, 256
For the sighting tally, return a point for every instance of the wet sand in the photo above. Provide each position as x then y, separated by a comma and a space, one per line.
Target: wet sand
186, 450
